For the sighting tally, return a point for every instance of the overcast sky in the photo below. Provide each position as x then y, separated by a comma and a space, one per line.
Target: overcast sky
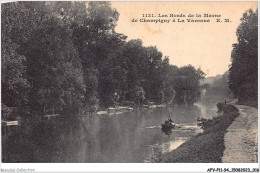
205, 45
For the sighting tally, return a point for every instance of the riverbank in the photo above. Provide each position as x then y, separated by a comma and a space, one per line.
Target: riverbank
125, 109
241, 139
206, 147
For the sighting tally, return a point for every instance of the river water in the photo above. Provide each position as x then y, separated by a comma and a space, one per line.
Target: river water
128, 137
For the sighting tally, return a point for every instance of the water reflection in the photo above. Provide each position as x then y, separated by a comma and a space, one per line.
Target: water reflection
167, 130
172, 145
127, 137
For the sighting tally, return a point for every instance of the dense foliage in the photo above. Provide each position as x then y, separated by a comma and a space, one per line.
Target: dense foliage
65, 57
243, 70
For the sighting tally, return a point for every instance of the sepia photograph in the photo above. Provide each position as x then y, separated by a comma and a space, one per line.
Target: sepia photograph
129, 82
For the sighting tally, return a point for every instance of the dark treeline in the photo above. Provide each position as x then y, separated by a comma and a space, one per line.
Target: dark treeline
65, 57
216, 90
243, 70
219, 86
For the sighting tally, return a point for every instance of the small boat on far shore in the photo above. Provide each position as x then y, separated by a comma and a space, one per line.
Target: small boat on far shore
9, 123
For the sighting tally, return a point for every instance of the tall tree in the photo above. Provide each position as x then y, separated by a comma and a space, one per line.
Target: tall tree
187, 84
18, 21
244, 57
54, 70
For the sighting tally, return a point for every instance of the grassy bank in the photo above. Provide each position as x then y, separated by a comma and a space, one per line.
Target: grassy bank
206, 147
252, 103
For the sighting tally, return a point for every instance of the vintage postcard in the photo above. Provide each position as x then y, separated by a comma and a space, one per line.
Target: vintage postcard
129, 82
